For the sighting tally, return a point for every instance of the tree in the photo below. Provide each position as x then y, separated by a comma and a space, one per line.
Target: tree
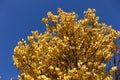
116, 62
70, 49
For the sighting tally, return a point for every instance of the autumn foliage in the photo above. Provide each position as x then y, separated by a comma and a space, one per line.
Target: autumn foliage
70, 49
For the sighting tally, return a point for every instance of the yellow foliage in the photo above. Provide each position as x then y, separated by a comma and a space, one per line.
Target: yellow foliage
70, 49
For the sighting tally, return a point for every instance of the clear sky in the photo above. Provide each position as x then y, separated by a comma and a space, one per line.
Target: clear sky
19, 17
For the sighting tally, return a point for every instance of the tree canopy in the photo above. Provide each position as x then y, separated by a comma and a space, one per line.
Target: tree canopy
70, 49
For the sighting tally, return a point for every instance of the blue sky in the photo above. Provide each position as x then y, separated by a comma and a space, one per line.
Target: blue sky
19, 17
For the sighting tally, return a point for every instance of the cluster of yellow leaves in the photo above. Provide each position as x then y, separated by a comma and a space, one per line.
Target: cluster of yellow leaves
70, 49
